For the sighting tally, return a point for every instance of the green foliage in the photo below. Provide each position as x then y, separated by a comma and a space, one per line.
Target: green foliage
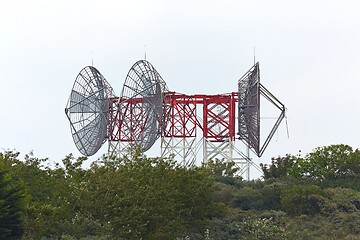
221, 168
271, 194
302, 199
256, 195
279, 167
322, 227
131, 196
341, 200
248, 198
315, 197
119, 198
12, 203
329, 163
261, 228
223, 171
348, 181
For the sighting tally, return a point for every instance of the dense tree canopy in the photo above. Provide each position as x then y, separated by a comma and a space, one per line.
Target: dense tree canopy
12, 207
329, 163
312, 197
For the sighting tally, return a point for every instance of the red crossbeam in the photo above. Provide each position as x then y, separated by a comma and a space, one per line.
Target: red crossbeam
217, 122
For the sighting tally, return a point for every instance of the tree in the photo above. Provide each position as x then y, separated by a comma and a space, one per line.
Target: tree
280, 167
50, 203
221, 168
12, 205
329, 163
148, 198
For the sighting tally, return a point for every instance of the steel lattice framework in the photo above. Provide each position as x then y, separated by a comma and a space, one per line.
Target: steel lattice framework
217, 125
179, 136
146, 110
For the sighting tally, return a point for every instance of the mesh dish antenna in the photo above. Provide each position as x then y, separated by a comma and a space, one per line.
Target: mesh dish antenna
87, 110
249, 108
249, 91
141, 103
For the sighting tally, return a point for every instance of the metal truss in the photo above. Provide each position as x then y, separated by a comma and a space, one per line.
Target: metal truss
218, 150
271, 98
219, 117
119, 148
217, 124
179, 139
183, 150
122, 137
179, 135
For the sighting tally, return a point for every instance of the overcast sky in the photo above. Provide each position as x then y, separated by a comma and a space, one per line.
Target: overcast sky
309, 54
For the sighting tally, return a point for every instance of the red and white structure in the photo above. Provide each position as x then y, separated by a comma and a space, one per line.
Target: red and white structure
188, 125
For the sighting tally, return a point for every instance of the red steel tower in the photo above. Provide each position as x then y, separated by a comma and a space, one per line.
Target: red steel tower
188, 125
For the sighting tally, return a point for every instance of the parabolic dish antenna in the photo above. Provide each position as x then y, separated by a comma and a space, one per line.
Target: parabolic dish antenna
87, 110
249, 108
249, 91
141, 104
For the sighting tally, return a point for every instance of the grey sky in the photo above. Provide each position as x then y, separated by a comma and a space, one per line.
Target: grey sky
308, 53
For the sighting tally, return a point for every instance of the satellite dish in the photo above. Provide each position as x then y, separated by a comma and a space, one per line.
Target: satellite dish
141, 104
87, 110
249, 91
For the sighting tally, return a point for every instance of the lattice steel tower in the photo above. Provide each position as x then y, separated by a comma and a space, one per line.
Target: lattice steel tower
146, 110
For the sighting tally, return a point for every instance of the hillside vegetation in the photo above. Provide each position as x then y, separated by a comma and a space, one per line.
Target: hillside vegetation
312, 197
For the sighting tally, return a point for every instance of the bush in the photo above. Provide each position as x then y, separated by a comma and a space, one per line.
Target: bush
300, 199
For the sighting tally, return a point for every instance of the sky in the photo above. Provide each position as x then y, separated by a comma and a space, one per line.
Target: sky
309, 56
